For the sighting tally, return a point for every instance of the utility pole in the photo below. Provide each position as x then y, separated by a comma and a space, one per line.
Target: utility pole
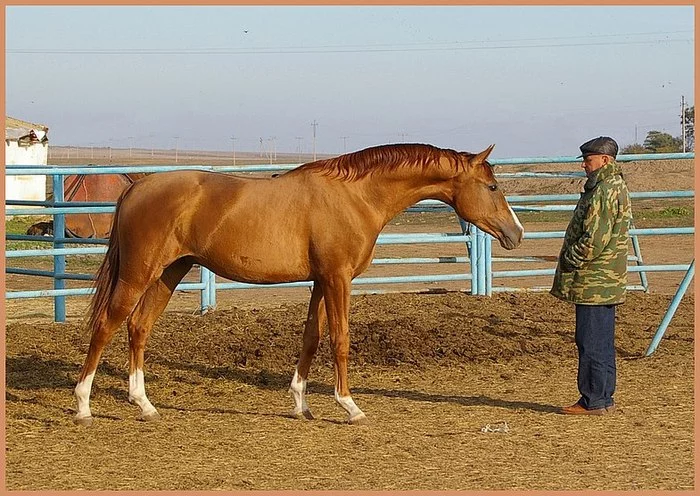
403, 136
344, 138
269, 149
313, 125
176, 138
683, 120
299, 140
233, 148
131, 145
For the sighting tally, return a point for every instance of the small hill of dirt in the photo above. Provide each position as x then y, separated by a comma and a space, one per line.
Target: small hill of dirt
385, 330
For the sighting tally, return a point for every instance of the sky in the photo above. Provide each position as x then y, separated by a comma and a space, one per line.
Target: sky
534, 80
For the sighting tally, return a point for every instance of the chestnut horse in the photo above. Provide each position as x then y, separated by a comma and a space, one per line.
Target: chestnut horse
93, 188
318, 222
88, 188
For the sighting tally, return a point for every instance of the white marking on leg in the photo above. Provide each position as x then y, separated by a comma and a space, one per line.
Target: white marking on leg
354, 413
82, 394
137, 393
298, 390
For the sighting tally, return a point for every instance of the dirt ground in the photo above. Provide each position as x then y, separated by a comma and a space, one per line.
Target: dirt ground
460, 391
430, 371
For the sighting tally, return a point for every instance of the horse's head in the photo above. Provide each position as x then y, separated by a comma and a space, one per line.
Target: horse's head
478, 199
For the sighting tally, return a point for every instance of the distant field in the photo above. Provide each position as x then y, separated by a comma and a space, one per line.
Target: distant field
72, 155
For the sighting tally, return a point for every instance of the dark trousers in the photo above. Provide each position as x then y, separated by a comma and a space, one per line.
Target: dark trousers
595, 340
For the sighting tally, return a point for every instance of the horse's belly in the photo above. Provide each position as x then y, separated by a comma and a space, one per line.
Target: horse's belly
259, 266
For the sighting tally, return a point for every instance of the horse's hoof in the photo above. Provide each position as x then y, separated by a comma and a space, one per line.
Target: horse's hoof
359, 419
304, 414
83, 421
150, 417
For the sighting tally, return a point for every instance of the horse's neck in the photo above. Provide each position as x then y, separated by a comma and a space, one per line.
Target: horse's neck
72, 188
392, 195
133, 176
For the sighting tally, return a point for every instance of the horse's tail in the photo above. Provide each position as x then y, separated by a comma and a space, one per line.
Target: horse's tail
108, 273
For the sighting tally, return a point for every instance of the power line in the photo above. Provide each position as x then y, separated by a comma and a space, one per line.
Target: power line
380, 48
378, 45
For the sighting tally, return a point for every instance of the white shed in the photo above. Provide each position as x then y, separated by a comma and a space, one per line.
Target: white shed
26, 143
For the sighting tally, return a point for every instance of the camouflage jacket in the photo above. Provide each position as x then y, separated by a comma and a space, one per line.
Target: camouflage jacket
592, 266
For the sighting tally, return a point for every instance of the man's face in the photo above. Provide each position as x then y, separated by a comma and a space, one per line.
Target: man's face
592, 163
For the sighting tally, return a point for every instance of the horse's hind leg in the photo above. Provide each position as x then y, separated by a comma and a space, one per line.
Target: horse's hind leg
313, 331
123, 300
140, 323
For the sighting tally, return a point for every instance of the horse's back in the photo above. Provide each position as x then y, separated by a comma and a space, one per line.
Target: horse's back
176, 193
170, 201
242, 228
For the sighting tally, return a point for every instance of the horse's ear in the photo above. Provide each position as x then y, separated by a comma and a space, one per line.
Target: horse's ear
481, 157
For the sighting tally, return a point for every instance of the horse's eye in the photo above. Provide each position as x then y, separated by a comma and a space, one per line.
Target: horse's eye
493, 187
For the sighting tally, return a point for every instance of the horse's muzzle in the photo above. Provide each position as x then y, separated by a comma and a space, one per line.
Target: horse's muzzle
511, 238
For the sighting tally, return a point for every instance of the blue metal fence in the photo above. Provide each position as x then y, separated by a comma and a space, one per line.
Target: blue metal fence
479, 244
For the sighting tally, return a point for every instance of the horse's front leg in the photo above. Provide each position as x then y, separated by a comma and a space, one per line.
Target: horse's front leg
315, 322
336, 291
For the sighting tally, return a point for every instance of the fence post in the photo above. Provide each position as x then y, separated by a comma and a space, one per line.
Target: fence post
212, 290
205, 291
474, 258
672, 308
481, 260
639, 260
59, 261
488, 265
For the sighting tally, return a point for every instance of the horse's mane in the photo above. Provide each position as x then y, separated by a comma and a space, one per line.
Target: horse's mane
356, 165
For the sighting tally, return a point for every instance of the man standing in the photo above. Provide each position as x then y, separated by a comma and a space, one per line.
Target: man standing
592, 273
